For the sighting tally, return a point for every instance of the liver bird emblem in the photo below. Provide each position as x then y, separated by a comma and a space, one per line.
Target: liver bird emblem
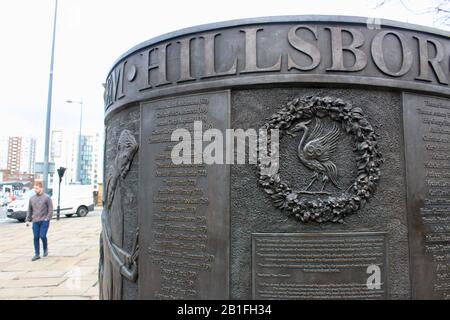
315, 150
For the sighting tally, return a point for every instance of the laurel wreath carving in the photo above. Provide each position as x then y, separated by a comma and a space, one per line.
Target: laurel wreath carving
368, 161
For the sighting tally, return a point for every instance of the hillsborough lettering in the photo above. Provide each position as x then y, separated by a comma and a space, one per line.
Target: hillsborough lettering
298, 50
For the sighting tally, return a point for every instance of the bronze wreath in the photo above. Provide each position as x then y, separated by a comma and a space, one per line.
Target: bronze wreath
369, 159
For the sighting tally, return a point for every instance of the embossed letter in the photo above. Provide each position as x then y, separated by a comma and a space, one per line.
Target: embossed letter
118, 74
301, 45
210, 64
160, 65
434, 62
337, 50
378, 54
114, 87
185, 60
251, 54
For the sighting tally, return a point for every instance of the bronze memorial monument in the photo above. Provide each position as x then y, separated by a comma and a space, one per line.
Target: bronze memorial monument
358, 204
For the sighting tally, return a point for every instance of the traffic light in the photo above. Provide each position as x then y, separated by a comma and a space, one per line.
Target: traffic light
61, 172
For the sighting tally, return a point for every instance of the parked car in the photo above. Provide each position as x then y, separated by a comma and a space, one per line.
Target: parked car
75, 199
18, 208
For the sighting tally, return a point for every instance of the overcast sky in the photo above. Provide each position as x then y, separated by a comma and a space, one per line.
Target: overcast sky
92, 34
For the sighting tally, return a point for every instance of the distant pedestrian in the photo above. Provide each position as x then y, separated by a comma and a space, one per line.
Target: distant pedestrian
40, 211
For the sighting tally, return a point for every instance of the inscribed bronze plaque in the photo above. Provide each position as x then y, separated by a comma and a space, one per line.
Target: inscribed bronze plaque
348, 265
359, 204
184, 212
427, 149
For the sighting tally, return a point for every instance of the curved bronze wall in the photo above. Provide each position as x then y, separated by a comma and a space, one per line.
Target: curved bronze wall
215, 231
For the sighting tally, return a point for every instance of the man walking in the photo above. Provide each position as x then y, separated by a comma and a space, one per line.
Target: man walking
40, 211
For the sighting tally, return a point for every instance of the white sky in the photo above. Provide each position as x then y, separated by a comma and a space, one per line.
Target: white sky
92, 34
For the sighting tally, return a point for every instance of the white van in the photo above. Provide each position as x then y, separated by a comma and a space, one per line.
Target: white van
75, 199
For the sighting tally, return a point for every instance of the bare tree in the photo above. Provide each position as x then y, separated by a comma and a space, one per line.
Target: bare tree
439, 8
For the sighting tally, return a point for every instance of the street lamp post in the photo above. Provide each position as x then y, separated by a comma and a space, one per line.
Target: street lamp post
49, 104
78, 172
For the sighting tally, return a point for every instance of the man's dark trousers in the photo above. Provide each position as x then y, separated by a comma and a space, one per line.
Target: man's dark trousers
40, 229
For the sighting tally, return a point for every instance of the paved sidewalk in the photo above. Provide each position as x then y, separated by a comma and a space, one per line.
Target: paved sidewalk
69, 271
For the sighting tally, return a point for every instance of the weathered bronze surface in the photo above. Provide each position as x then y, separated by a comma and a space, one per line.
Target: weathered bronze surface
359, 206
184, 208
317, 265
316, 150
427, 151
116, 262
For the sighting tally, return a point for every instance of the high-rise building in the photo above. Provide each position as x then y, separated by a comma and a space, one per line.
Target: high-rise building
63, 150
27, 155
91, 149
14, 153
64, 153
17, 154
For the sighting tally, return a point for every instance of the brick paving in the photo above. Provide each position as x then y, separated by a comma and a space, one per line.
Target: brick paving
69, 271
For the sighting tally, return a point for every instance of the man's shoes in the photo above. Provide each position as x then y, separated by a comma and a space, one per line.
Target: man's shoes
45, 253
35, 258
